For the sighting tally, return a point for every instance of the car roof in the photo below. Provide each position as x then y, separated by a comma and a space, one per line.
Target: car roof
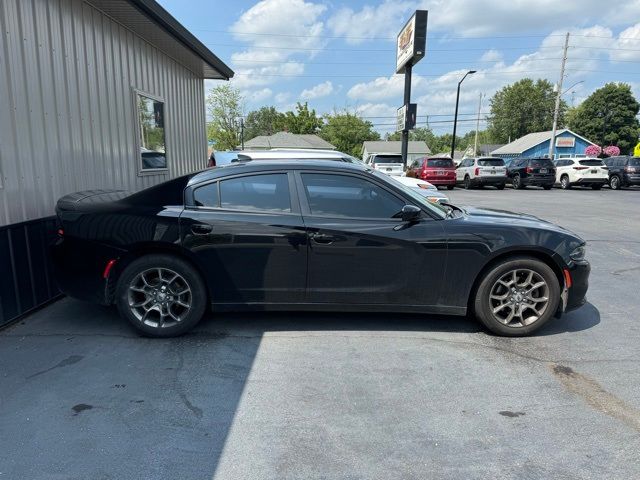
293, 154
275, 164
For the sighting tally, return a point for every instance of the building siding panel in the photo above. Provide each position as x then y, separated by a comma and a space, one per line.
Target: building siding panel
68, 122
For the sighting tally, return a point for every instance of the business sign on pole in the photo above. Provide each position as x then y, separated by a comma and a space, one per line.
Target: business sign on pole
636, 151
565, 142
412, 41
406, 117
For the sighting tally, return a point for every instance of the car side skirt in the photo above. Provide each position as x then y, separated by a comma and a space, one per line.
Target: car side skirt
340, 307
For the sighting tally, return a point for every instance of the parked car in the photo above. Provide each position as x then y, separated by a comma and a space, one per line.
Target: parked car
225, 158
389, 163
435, 170
478, 172
539, 172
316, 235
581, 171
624, 171
426, 189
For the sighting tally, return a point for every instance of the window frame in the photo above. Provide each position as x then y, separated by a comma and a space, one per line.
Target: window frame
293, 195
138, 129
306, 209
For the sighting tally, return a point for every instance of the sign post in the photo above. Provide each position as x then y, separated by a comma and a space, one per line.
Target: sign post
410, 49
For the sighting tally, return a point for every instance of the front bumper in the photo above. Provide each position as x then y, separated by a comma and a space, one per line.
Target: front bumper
576, 294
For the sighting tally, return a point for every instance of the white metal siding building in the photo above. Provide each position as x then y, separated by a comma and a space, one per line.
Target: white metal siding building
84, 85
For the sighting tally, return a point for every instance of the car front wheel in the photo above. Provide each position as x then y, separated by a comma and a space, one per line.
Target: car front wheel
517, 297
516, 182
161, 296
615, 183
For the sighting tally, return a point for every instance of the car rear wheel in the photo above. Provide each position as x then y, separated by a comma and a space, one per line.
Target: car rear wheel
596, 186
517, 297
564, 182
516, 182
467, 182
615, 183
161, 296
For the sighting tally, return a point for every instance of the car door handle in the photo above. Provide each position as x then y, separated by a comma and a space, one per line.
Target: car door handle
201, 229
322, 238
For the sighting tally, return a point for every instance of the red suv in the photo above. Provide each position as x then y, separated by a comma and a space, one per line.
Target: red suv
435, 170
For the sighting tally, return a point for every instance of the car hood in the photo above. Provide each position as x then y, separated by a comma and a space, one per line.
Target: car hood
496, 216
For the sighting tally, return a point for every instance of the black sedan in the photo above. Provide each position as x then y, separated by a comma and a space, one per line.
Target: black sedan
313, 235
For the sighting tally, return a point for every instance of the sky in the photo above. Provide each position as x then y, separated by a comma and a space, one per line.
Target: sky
341, 54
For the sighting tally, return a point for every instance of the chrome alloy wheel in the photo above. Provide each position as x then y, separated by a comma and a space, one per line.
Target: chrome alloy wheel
159, 297
519, 297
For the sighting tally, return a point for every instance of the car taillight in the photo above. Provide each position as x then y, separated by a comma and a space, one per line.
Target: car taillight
604, 168
580, 168
629, 169
60, 232
108, 267
477, 170
529, 170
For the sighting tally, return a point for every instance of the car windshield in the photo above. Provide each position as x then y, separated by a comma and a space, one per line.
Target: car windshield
634, 162
491, 162
439, 210
387, 159
440, 163
541, 163
592, 162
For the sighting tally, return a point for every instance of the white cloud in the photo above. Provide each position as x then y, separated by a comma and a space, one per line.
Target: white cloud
491, 56
255, 96
385, 87
275, 31
370, 21
629, 44
321, 90
282, 97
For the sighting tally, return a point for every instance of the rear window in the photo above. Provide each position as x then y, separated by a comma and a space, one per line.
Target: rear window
592, 162
491, 162
387, 159
634, 162
541, 163
440, 163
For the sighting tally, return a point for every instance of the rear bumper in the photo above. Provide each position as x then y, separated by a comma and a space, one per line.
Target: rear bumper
440, 181
79, 267
590, 181
576, 294
633, 179
489, 180
539, 181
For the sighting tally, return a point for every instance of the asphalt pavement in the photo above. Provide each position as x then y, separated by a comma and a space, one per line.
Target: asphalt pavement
341, 396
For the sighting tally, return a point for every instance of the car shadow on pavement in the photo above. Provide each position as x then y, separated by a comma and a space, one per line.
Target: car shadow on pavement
83, 396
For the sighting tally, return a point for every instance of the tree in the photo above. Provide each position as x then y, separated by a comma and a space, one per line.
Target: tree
224, 108
523, 107
265, 121
608, 117
347, 131
302, 120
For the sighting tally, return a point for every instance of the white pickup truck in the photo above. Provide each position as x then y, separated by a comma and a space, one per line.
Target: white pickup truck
389, 163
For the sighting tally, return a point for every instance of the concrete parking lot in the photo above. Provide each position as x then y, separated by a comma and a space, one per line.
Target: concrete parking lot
344, 396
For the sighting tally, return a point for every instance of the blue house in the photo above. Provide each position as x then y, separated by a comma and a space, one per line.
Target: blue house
536, 145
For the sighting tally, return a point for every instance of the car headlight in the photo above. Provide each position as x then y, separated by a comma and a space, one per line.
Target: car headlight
578, 254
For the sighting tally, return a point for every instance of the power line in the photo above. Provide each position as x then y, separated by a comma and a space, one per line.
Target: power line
270, 47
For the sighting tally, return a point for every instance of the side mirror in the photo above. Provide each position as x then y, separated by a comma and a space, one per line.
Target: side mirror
410, 213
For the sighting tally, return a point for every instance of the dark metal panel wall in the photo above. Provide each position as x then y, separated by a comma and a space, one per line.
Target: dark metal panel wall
26, 276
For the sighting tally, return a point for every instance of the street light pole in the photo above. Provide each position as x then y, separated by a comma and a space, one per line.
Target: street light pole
455, 117
475, 142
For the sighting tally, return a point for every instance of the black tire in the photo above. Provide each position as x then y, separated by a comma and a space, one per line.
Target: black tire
596, 186
197, 296
615, 183
564, 182
482, 303
467, 182
547, 187
516, 182
500, 187
450, 187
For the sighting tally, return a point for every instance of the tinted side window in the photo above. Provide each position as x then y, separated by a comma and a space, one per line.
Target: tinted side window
207, 195
348, 196
256, 192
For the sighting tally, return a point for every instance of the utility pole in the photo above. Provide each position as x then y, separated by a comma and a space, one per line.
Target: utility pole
475, 142
241, 133
552, 140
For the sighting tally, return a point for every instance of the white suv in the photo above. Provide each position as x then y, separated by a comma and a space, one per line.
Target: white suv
389, 163
581, 171
482, 171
